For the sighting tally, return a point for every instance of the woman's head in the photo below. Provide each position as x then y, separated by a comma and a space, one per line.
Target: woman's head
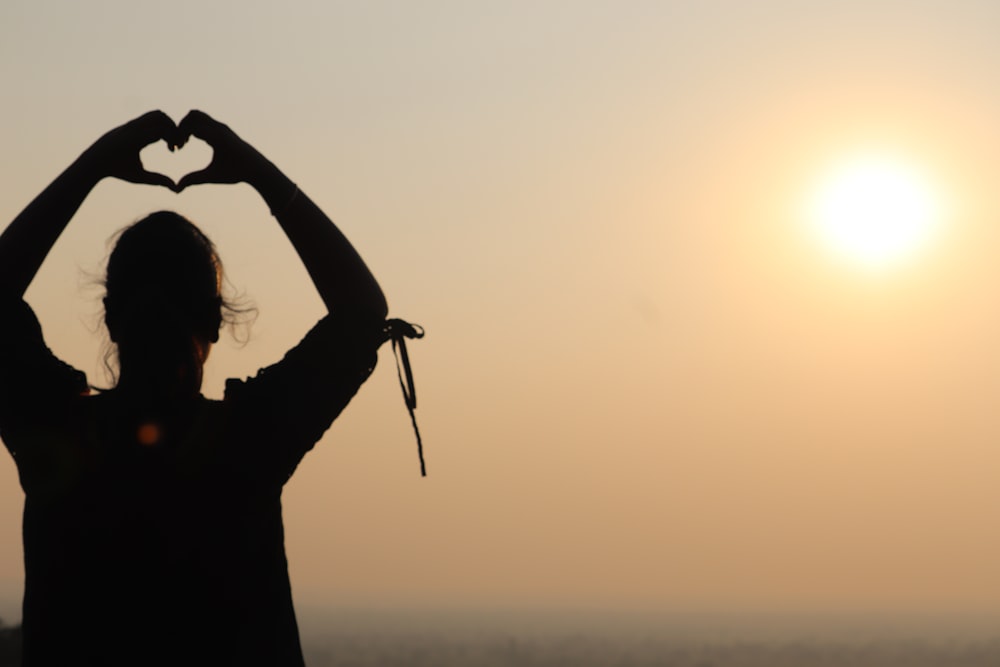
163, 273
163, 305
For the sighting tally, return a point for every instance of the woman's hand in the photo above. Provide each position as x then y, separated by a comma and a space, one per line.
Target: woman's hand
29, 237
117, 152
233, 160
336, 269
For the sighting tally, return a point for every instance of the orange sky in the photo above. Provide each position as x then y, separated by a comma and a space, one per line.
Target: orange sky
644, 382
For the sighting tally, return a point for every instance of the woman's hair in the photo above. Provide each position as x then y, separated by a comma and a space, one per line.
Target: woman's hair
164, 282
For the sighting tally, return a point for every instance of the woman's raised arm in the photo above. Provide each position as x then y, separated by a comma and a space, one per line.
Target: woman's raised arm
338, 272
29, 237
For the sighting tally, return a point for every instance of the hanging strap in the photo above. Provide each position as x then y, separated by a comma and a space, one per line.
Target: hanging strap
398, 331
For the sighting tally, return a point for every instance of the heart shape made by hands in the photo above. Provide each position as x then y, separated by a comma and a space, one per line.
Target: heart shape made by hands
193, 156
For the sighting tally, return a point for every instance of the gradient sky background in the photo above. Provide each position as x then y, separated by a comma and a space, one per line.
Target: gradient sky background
645, 383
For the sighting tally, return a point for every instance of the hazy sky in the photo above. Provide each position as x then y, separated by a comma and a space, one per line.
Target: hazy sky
644, 382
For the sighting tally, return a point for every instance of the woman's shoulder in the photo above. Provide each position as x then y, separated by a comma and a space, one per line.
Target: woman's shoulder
27, 365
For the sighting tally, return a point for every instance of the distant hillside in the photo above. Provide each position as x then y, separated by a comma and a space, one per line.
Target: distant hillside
10, 646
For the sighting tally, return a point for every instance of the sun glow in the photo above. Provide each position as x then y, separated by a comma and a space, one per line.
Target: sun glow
875, 211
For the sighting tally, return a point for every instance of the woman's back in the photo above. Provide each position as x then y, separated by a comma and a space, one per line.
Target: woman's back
155, 530
153, 553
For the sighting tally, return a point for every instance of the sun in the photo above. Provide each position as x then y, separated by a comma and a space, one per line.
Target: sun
874, 210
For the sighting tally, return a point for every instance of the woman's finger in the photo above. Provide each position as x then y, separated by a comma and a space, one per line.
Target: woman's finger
175, 138
152, 127
153, 178
199, 124
195, 178
188, 126
162, 123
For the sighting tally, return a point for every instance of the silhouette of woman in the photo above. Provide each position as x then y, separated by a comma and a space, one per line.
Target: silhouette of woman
152, 519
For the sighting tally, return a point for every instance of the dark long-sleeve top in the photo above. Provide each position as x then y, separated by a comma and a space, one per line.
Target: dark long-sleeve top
161, 543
